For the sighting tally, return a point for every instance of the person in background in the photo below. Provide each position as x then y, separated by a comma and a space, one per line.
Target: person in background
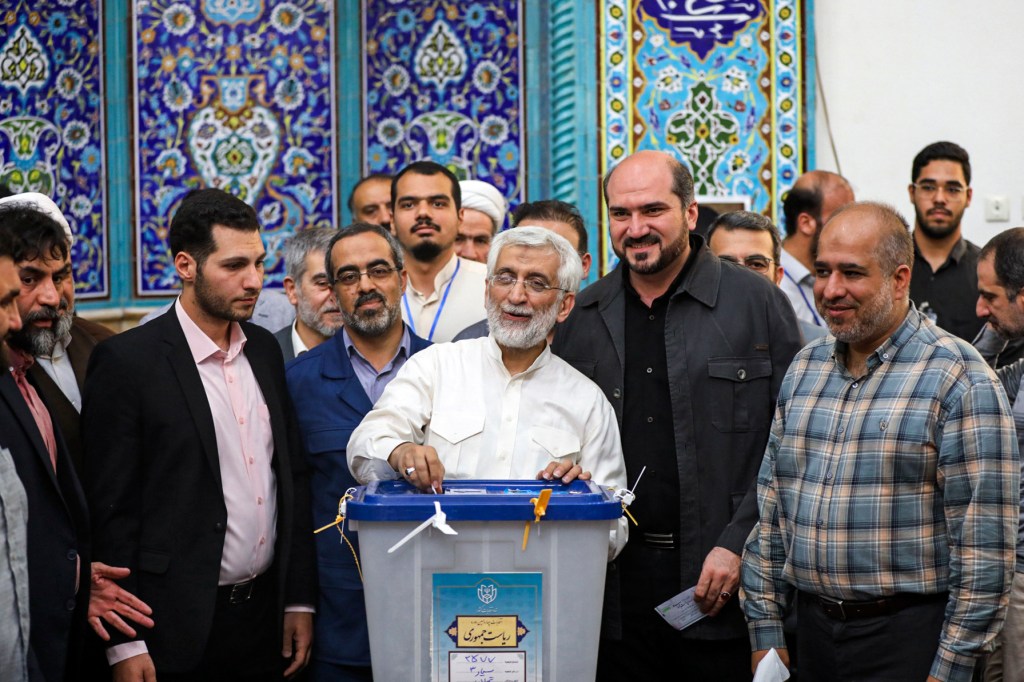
808, 205
370, 200
483, 216
445, 293
317, 316
944, 282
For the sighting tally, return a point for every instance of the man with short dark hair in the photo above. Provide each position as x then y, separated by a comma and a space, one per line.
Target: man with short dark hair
889, 489
690, 352
561, 218
59, 341
751, 240
945, 277
1001, 305
333, 386
317, 316
370, 200
808, 205
196, 478
445, 293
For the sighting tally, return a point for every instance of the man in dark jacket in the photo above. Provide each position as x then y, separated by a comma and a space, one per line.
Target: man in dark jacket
333, 386
691, 352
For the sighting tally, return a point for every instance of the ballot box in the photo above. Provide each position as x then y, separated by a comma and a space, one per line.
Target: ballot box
452, 595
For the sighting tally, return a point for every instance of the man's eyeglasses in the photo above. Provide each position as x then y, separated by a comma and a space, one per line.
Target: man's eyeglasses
532, 284
378, 273
755, 263
930, 189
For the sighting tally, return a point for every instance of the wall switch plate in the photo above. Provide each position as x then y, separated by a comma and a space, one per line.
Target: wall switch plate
997, 209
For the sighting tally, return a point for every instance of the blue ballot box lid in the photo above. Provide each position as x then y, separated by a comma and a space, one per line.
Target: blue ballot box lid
489, 500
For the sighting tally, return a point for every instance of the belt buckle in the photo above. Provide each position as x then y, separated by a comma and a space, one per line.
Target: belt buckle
837, 603
241, 592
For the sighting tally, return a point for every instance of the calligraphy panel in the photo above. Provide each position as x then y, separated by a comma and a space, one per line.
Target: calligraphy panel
52, 123
238, 95
444, 81
719, 84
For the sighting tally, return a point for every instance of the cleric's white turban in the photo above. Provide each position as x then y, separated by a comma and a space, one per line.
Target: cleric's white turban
486, 198
43, 204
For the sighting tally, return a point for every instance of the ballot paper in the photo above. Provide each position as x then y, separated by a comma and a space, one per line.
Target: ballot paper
771, 668
681, 611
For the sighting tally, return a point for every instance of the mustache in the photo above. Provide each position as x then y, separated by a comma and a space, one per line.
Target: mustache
369, 297
426, 222
521, 310
48, 312
647, 240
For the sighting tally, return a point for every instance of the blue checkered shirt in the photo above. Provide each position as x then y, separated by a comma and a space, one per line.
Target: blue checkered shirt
904, 480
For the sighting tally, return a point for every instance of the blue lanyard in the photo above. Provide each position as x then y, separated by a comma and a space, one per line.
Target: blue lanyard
814, 313
440, 308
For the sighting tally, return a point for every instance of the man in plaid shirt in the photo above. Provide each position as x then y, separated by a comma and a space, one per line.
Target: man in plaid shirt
889, 490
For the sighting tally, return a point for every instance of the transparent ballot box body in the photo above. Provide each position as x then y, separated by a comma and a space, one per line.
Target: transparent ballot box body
475, 605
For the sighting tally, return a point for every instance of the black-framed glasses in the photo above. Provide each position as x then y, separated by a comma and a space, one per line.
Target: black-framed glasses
756, 263
534, 285
378, 273
953, 190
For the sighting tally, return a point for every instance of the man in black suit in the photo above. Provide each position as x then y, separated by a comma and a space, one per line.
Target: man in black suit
58, 521
59, 341
317, 315
195, 472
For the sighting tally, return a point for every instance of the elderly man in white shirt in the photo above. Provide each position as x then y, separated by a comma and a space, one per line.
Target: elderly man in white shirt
501, 406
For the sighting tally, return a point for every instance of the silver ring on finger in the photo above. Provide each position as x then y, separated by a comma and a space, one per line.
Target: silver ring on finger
409, 471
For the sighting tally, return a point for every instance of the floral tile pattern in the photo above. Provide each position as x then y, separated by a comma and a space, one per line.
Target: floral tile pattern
235, 94
717, 83
444, 80
51, 121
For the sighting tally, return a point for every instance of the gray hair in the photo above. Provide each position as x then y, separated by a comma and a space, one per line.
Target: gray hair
300, 245
570, 268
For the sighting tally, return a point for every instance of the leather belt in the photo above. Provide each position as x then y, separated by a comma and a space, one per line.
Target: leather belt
239, 593
841, 609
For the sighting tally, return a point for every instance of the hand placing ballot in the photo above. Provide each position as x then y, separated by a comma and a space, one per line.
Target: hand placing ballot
419, 465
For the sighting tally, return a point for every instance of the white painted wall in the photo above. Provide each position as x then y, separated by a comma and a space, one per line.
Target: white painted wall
900, 74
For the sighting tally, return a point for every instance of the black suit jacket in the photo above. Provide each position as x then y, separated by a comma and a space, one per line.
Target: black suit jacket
58, 535
84, 337
154, 485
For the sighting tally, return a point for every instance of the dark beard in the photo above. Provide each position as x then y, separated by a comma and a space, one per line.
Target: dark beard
934, 232
426, 252
669, 254
216, 307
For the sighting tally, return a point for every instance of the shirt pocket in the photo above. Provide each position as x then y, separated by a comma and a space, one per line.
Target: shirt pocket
555, 445
452, 433
740, 390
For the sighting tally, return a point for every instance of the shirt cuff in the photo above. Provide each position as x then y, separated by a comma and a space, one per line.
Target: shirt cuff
299, 608
766, 634
951, 667
122, 652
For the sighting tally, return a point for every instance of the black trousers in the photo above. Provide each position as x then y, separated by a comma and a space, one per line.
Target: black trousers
897, 647
650, 646
244, 645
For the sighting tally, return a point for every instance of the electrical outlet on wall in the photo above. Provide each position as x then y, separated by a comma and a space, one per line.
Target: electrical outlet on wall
997, 209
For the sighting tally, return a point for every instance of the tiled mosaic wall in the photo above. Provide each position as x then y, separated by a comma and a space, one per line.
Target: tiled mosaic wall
237, 95
51, 121
719, 84
444, 80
